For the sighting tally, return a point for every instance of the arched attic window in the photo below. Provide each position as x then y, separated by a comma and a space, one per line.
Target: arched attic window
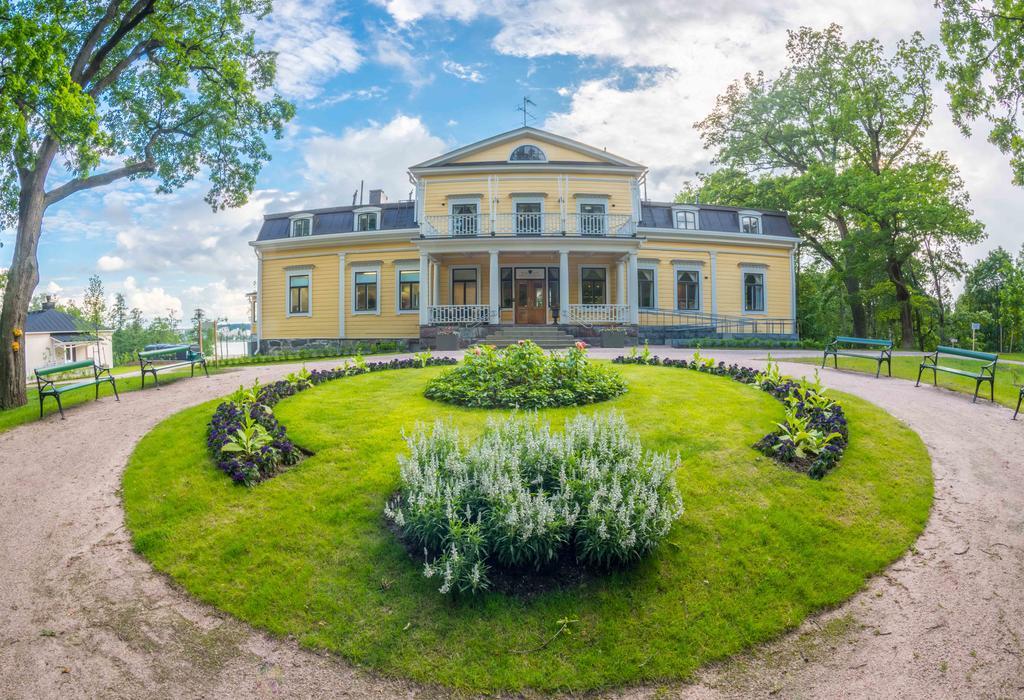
527, 152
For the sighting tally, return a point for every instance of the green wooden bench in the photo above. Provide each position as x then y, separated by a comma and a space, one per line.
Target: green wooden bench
47, 385
148, 362
839, 347
985, 373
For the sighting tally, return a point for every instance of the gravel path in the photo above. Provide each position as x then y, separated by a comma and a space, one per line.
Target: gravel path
82, 616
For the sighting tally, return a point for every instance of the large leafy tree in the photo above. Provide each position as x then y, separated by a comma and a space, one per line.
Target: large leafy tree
844, 123
92, 92
984, 73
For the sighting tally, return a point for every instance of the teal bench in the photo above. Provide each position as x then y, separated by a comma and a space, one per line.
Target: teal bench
148, 360
985, 373
839, 346
47, 385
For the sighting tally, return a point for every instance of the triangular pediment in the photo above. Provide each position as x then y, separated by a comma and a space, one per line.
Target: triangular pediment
555, 149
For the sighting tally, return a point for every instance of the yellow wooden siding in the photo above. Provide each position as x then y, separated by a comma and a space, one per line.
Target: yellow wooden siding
501, 152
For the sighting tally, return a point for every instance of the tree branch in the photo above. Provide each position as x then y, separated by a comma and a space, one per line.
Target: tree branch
135, 15
98, 180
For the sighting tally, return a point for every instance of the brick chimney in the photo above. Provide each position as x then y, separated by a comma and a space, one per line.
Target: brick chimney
377, 197
49, 302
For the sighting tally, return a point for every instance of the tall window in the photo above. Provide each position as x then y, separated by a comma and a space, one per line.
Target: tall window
686, 219
507, 293
408, 290
367, 221
301, 227
594, 285
366, 291
298, 294
465, 219
750, 223
527, 152
554, 288
753, 291
529, 219
464, 285
687, 290
645, 287
592, 218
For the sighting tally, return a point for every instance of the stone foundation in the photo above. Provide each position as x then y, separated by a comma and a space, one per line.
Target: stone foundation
341, 346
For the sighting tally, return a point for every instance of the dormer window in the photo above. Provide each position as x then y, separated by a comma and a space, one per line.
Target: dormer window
529, 153
686, 219
301, 226
750, 222
367, 219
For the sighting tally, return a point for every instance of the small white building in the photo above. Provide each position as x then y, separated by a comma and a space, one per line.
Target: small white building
53, 337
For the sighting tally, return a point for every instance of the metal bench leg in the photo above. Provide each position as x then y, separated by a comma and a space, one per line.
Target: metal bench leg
205, 370
879, 370
113, 385
60, 406
1020, 399
888, 363
824, 359
156, 380
977, 385
41, 397
920, 370
992, 391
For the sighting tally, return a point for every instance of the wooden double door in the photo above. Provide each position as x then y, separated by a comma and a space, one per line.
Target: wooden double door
531, 301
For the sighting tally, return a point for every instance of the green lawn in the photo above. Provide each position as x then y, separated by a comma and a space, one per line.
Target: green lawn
30, 411
307, 553
1009, 377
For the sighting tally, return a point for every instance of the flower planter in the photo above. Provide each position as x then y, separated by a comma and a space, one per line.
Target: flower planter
448, 342
613, 339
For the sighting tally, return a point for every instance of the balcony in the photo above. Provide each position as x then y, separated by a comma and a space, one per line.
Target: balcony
529, 224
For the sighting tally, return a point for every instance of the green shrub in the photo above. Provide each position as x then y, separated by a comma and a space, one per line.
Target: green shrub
524, 376
523, 497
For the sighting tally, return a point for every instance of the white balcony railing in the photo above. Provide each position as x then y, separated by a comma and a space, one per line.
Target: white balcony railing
528, 224
459, 314
588, 314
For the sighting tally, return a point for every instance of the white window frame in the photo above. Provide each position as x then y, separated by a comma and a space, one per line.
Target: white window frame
516, 201
356, 213
579, 279
520, 145
755, 270
299, 217
603, 201
688, 267
365, 267
455, 201
654, 268
753, 214
297, 272
696, 217
451, 281
399, 269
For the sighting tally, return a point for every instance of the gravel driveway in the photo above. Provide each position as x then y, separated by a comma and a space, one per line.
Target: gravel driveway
83, 616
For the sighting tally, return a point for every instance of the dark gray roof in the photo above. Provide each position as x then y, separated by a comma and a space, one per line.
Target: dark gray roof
50, 321
394, 215
714, 217
75, 337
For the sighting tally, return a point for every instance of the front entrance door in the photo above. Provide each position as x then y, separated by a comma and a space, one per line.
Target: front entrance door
530, 302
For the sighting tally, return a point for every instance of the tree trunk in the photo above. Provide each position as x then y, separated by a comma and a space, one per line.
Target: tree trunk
22, 279
860, 318
895, 270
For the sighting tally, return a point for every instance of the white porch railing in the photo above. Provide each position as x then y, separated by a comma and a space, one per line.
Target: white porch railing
528, 224
587, 314
459, 314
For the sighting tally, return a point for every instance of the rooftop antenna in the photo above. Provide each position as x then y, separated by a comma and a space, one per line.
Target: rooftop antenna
355, 193
525, 109
360, 193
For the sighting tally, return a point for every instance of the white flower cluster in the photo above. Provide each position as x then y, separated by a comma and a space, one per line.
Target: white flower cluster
522, 496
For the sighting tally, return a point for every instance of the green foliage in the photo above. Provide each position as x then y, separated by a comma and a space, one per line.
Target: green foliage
805, 441
984, 72
757, 550
300, 380
523, 376
249, 439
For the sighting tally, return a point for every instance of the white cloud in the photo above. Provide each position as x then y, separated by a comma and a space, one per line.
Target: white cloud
312, 47
374, 92
53, 288
378, 154
391, 49
110, 263
463, 71
406, 11
152, 301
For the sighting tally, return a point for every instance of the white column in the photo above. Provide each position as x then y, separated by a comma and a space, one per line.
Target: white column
620, 283
714, 292
563, 286
259, 298
424, 289
435, 283
494, 288
342, 283
634, 306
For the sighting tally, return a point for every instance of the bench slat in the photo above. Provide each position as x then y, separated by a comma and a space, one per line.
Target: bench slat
962, 352
863, 341
57, 369
164, 351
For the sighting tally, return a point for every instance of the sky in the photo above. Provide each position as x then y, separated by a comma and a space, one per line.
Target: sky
379, 86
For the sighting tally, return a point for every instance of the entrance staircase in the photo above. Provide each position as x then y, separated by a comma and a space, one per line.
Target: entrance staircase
547, 337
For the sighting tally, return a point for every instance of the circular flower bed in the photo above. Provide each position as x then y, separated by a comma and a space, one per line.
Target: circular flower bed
524, 376
523, 497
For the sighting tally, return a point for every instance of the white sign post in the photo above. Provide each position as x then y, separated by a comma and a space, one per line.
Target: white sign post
974, 330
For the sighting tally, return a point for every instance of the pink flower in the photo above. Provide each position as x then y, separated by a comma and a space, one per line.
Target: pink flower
477, 350
580, 345
522, 342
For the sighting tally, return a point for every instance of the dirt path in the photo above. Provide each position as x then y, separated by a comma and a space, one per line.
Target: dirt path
82, 616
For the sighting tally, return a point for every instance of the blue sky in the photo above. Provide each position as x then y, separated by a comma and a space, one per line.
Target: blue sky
381, 85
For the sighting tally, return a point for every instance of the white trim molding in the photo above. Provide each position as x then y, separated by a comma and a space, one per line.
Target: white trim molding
756, 269
750, 213
406, 266
451, 284
653, 267
295, 218
692, 208
341, 296
695, 266
298, 271
365, 267
579, 271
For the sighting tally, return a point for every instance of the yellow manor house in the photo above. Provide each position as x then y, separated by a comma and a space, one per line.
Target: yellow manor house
523, 235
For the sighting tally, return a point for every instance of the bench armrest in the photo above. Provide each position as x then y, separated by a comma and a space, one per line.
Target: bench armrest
931, 358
